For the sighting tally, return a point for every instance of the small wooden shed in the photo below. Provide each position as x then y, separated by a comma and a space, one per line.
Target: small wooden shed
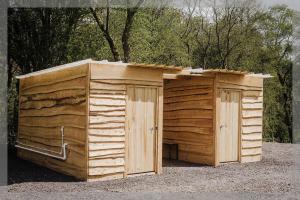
213, 116
94, 120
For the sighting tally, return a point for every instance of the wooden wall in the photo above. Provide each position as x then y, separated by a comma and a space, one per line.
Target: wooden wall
48, 102
107, 107
188, 118
251, 113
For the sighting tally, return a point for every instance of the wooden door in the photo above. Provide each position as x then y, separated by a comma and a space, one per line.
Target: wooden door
141, 129
228, 122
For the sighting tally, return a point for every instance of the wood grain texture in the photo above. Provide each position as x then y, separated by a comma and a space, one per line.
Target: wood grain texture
107, 118
48, 102
252, 122
106, 71
188, 118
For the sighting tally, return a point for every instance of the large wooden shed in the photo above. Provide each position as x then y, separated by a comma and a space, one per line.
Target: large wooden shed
94, 120
213, 116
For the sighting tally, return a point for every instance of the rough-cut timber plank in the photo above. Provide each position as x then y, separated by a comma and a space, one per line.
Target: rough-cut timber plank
252, 105
108, 92
252, 93
54, 121
203, 148
199, 130
105, 86
129, 82
254, 158
106, 119
251, 129
241, 80
107, 162
106, 108
253, 136
224, 85
203, 91
106, 177
78, 83
107, 71
252, 121
106, 170
187, 136
201, 123
101, 146
119, 155
51, 140
51, 103
105, 152
252, 113
201, 104
193, 81
106, 138
195, 158
107, 102
108, 114
56, 95
69, 132
251, 151
77, 109
112, 132
252, 99
110, 125
54, 77
251, 144
189, 114
194, 97
37, 104
108, 96
185, 88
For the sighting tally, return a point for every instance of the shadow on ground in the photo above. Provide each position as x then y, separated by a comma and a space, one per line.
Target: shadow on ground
20, 171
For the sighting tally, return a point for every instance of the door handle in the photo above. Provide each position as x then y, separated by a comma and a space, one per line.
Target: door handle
222, 126
153, 129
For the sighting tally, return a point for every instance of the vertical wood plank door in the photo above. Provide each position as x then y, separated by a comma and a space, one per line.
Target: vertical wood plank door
141, 129
228, 137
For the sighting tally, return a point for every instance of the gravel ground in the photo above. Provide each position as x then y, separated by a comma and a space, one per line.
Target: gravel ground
275, 177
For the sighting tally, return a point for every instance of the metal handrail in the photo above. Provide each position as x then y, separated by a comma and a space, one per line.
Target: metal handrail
62, 155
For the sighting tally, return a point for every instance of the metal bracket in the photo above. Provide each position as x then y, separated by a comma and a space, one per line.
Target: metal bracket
62, 155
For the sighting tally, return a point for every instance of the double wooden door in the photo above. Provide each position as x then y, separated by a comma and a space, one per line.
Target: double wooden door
141, 129
228, 122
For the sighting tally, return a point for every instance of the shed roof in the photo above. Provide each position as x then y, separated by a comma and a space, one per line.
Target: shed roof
203, 72
87, 61
185, 72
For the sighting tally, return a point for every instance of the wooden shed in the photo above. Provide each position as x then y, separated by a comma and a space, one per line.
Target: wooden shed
213, 116
94, 120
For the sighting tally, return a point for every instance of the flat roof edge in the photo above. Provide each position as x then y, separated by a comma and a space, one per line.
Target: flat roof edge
56, 68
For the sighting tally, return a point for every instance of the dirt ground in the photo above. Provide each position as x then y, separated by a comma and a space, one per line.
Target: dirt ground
275, 177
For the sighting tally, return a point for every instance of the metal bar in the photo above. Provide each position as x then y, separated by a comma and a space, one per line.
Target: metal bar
62, 155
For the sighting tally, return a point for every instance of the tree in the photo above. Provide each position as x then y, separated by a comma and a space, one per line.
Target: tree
104, 27
277, 29
37, 39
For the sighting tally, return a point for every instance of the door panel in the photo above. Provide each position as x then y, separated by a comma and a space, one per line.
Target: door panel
141, 128
229, 105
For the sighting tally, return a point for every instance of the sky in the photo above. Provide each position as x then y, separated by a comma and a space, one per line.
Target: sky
294, 4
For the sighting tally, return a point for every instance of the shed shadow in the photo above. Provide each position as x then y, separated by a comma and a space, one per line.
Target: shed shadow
20, 171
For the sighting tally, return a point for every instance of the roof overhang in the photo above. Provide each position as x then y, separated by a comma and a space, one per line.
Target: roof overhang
88, 61
212, 72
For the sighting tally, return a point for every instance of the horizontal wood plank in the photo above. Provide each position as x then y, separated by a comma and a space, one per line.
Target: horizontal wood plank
189, 114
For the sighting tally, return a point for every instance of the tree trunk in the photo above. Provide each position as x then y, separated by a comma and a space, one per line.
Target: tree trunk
126, 34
